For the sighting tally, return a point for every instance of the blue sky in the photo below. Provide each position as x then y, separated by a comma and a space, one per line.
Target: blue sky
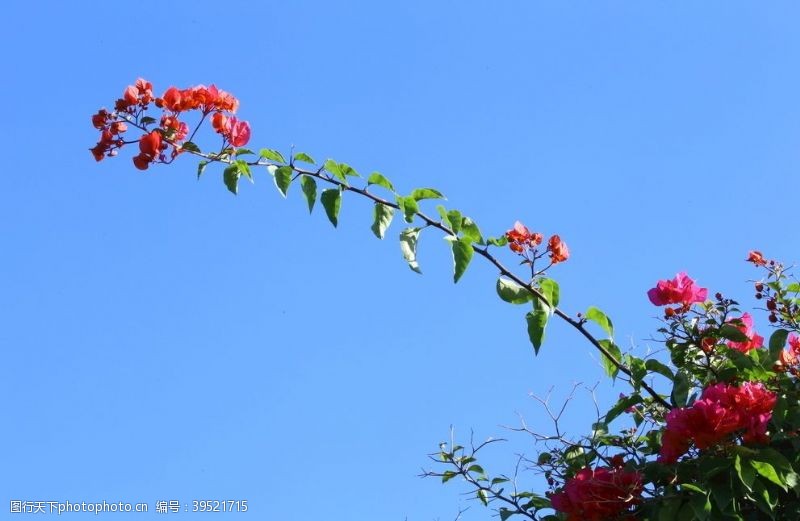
163, 339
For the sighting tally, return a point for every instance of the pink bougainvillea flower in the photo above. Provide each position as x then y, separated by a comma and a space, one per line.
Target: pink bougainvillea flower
721, 411
598, 495
680, 290
745, 325
239, 133
558, 249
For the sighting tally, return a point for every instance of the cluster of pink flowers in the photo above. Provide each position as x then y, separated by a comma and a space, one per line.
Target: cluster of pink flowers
171, 131
522, 241
680, 290
721, 411
601, 494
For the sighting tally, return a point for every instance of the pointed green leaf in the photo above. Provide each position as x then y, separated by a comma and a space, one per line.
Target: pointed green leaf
609, 366
272, 155
498, 241
511, 292
377, 179
655, 366
745, 472
600, 318
331, 200
426, 193
768, 471
244, 168
462, 255
382, 218
455, 219
408, 245
549, 288
409, 207
732, 333
622, 405
201, 166
447, 475
190, 147
680, 389
777, 341
147, 120
243, 152
537, 321
483, 496
335, 168
305, 158
309, 186
283, 178
470, 229
231, 178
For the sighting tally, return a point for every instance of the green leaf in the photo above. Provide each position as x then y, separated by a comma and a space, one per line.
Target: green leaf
201, 166
377, 179
476, 468
768, 471
271, 155
622, 405
331, 200
549, 288
511, 292
426, 193
147, 120
498, 241
600, 318
305, 158
455, 219
348, 170
409, 206
334, 168
309, 186
231, 178
655, 366
462, 255
506, 513
408, 245
793, 287
243, 152
777, 341
537, 321
732, 333
745, 472
470, 229
483, 496
382, 218
283, 178
191, 147
680, 389
447, 475
244, 169
608, 365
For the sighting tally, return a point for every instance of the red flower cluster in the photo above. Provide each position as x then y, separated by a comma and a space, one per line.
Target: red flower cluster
236, 132
521, 241
680, 290
745, 325
139, 94
171, 131
206, 99
721, 410
601, 494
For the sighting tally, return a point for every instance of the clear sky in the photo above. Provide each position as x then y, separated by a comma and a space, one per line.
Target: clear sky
165, 340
